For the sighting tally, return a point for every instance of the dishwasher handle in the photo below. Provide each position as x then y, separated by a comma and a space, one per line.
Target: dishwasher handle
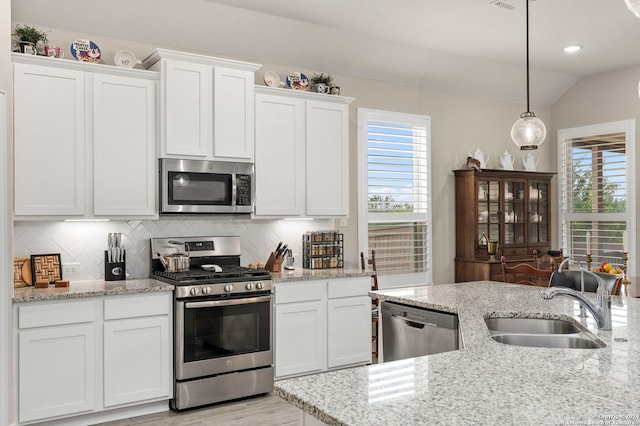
415, 324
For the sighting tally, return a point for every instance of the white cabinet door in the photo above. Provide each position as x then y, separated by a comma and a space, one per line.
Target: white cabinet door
49, 135
56, 371
279, 168
327, 135
137, 364
124, 145
348, 331
188, 108
300, 338
233, 114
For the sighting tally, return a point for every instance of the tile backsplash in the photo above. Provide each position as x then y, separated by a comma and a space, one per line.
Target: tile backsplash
83, 243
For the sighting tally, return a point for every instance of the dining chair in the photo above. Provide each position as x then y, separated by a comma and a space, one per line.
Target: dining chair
525, 273
364, 263
572, 278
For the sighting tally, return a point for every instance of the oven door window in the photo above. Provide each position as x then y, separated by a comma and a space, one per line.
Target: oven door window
215, 332
189, 188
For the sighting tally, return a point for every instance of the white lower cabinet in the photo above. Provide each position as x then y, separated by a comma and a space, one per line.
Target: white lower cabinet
77, 358
345, 328
321, 325
56, 371
137, 361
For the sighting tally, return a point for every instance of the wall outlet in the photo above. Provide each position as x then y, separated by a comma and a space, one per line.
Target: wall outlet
343, 221
71, 271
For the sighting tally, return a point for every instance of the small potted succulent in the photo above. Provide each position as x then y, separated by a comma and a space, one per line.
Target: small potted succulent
29, 38
321, 83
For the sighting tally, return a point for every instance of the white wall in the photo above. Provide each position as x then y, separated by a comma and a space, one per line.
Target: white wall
602, 98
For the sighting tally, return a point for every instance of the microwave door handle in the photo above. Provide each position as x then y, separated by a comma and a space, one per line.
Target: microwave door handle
234, 189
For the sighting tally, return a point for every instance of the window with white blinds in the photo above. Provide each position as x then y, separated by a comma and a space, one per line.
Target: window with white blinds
597, 191
395, 204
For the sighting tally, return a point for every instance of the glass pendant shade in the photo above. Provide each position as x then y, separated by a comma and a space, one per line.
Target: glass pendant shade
634, 7
528, 132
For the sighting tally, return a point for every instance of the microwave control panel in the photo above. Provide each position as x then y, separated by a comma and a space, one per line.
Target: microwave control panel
243, 190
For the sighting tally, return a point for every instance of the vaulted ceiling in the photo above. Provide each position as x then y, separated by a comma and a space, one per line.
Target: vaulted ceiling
471, 47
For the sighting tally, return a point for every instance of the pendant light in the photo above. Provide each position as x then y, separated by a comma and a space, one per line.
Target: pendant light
528, 132
634, 7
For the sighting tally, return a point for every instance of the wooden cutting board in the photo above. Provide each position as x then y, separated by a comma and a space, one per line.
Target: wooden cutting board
22, 272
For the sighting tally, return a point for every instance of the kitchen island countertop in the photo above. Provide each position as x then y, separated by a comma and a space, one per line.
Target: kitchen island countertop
78, 289
487, 383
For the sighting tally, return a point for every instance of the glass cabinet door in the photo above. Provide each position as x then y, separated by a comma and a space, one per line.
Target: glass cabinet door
488, 209
538, 219
514, 212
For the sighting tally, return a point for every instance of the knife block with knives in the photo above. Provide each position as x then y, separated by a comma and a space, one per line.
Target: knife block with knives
274, 263
115, 265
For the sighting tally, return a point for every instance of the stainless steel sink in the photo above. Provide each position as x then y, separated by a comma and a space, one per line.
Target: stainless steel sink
541, 333
531, 326
549, 341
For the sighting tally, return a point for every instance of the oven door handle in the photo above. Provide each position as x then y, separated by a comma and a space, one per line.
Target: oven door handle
215, 303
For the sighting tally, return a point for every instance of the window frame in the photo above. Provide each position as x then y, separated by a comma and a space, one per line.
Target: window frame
629, 128
365, 115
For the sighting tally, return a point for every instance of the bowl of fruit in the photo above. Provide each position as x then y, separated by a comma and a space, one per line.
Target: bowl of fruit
608, 268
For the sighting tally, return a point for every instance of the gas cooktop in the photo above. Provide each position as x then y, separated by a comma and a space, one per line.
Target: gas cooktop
199, 276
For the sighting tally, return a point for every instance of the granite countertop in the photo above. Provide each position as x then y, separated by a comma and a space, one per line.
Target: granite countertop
487, 382
300, 274
78, 289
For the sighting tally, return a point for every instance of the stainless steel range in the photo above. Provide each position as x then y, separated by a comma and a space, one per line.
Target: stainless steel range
223, 317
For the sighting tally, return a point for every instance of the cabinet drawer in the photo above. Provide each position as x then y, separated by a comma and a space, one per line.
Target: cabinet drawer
349, 287
61, 313
299, 292
515, 251
135, 307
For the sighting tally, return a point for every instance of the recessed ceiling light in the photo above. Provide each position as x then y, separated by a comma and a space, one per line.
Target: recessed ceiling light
573, 48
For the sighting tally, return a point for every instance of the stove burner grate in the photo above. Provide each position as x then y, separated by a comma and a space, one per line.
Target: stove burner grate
227, 274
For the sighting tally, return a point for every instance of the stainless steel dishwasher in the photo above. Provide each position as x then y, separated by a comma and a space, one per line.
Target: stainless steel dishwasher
409, 332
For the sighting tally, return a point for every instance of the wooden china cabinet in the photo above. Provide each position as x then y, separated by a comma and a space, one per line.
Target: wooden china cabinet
508, 206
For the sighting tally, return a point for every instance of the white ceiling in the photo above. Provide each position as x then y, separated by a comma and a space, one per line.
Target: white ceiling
470, 47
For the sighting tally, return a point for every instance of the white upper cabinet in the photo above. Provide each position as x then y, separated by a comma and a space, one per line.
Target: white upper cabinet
85, 139
327, 159
207, 106
49, 148
280, 146
186, 109
233, 113
124, 140
302, 154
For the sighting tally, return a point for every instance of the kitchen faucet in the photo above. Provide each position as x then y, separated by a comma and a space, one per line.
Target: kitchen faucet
583, 310
601, 310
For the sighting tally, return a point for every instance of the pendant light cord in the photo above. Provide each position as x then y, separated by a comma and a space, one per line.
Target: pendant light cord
527, 26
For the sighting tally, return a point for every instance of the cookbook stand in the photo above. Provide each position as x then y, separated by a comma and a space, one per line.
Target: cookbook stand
114, 271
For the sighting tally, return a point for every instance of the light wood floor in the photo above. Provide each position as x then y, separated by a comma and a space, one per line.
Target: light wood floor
268, 410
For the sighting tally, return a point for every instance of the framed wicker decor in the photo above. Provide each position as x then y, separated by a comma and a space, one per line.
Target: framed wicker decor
46, 266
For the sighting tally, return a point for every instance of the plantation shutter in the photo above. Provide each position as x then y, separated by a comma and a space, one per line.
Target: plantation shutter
596, 196
397, 188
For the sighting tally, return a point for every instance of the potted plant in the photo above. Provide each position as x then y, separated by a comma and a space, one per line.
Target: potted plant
28, 38
321, 83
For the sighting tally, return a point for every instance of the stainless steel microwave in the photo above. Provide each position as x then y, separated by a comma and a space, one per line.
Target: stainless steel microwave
196, 186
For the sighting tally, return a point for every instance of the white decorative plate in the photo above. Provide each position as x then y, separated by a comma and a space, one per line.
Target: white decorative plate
297, 81
85, 51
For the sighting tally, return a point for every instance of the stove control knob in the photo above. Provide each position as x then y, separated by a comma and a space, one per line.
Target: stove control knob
249, 286
228, 288
194, 291
206, 290
259, 285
